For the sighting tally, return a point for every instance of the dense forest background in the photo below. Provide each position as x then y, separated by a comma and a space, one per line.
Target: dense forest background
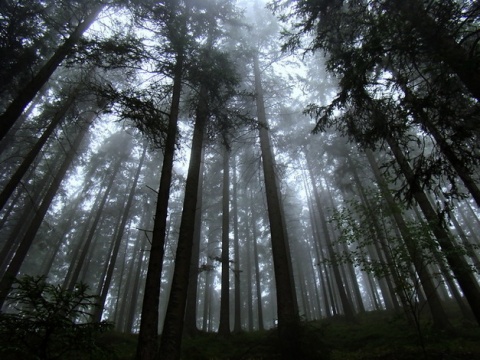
183, 167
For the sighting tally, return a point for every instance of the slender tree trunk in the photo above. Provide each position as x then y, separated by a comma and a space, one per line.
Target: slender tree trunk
258, 286
208, 281
248, 265
458, 265
224, 327
288, 319
320, 257
27, 240
26, 95
29, 207
174, 318
236, 248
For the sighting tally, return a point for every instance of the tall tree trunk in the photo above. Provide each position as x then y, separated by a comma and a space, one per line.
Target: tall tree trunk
147, 338
458, 265
258, 286
224, 327
27, 240
236, 249
288, 319
97, 316
173, 325
208, 285
17, 106
191, 310
248, 241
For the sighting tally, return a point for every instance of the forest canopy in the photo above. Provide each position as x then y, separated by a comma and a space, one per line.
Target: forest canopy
220, 166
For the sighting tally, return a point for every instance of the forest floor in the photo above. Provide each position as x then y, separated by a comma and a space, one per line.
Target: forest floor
374, 336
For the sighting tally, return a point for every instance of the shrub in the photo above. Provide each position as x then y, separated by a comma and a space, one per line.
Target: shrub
48, 322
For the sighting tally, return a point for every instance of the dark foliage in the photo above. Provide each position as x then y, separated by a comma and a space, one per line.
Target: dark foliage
48, 322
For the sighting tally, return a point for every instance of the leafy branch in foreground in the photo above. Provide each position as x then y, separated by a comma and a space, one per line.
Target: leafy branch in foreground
48, 322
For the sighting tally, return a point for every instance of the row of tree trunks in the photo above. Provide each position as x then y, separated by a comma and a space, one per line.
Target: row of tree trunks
27, 240
117, 239
439, 316
458, 265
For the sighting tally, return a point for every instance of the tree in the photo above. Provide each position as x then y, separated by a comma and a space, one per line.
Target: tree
176, 23
288, 318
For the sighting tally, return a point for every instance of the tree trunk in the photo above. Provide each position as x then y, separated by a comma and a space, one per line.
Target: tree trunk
288, 319
133, 298
224, 327
457, 163
17, 106
236, 248
258, 286
173, 325
191, 310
